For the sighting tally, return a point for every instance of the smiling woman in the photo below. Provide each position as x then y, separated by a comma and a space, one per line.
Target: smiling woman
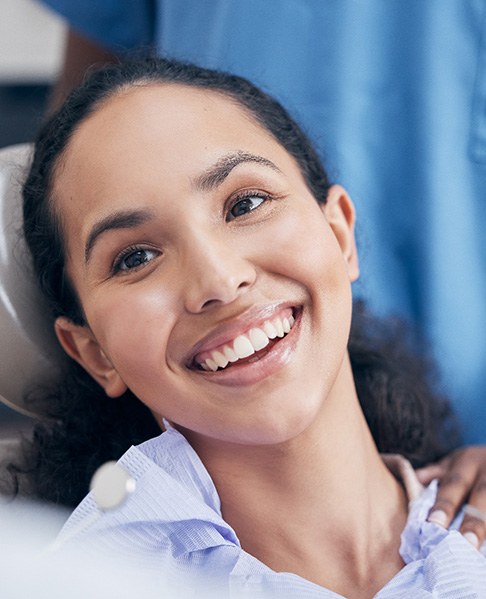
199, 267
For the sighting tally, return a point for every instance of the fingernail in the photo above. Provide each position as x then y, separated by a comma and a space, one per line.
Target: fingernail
438, 517
472, 537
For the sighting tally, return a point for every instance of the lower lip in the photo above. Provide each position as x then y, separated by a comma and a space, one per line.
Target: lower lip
249, 373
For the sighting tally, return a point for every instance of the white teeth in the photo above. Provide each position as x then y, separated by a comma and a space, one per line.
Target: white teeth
277, 323
212, 364
246, 345
270, 330
286, 325
243, 347
220, 359
258, 339
230, 354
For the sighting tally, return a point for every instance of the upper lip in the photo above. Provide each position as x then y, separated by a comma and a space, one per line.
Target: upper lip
227, 331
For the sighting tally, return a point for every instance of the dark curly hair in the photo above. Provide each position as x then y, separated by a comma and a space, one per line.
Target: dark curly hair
84, 427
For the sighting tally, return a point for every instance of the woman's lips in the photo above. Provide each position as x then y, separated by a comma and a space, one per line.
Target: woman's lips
259, 364
247, 343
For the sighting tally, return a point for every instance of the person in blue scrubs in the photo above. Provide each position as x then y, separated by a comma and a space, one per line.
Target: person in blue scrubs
395, 93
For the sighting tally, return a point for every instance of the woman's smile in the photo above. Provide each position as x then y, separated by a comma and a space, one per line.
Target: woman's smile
208, 273
249, 349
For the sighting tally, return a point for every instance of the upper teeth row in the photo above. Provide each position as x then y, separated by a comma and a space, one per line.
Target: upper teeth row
246, 345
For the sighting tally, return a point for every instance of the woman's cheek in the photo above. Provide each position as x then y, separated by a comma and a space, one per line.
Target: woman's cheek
131, 322
303, 247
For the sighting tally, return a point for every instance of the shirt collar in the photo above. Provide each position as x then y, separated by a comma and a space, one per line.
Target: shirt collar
174, 479
175, 493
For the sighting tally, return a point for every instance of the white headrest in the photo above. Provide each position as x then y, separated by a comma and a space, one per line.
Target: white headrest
28, 347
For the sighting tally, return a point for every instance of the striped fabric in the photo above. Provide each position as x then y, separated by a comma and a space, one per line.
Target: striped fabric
171, 530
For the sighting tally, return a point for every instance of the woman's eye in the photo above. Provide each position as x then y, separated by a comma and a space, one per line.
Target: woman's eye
245, 205
133, 259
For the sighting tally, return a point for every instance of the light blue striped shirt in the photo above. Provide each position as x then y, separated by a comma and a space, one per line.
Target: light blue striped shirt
171, 529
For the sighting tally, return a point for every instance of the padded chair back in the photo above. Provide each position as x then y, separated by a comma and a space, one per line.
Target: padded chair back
28, 348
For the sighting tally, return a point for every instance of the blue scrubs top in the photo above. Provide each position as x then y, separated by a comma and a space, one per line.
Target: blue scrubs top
393, 94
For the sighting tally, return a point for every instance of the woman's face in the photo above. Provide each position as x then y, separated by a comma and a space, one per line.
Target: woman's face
192, 241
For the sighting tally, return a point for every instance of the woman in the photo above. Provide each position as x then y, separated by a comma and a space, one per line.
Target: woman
199, 266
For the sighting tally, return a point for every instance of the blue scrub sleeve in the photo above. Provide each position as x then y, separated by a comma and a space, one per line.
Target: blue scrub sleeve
118, 25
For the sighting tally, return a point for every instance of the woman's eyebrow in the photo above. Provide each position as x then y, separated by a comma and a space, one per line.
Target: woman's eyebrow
124, 219
217, 173
210, 178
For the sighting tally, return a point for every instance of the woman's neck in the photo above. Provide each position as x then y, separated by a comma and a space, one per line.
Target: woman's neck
321, 505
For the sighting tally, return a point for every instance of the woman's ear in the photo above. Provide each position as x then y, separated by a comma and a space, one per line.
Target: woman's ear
340, 214
81, 345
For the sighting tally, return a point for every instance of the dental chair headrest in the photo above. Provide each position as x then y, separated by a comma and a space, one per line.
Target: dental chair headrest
29, 351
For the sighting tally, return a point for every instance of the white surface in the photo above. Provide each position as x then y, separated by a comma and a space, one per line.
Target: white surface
31, 42
29, 571
111, 485
27, 344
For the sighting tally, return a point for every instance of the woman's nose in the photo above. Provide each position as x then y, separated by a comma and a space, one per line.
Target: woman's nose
215, 273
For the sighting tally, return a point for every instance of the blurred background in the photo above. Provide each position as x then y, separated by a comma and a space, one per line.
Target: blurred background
31, 40
31, 44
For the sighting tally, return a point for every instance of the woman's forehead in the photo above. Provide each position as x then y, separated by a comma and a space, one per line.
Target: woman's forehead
165, 125
151, 115
168, 107
153, 141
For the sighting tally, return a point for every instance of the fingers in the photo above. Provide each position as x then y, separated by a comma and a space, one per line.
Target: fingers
427, 474
453, 491
464, 481
473, 526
